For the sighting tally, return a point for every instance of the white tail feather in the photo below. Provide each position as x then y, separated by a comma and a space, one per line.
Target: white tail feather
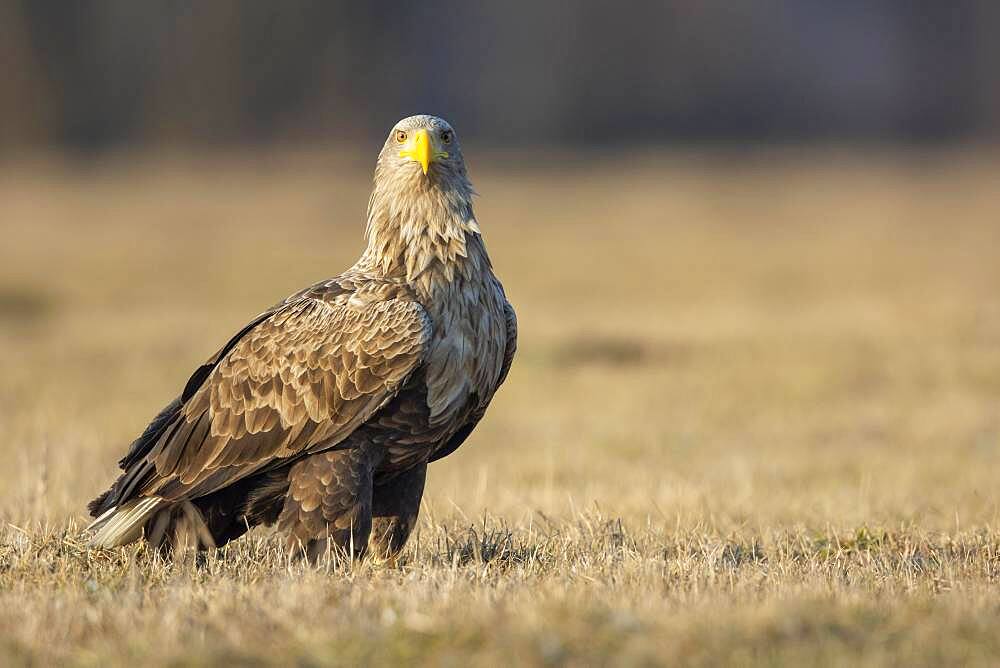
123, 524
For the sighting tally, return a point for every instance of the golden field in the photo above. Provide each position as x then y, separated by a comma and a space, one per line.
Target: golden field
754, 417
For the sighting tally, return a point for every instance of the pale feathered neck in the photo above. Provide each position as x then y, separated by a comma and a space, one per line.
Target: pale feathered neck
422, 232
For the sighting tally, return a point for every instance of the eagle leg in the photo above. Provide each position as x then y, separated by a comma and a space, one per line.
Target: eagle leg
179, 529
328, 507
395, 506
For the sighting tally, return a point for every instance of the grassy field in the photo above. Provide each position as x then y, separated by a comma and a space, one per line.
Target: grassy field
754, 419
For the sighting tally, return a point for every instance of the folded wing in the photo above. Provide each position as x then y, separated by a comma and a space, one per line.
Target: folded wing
298, 380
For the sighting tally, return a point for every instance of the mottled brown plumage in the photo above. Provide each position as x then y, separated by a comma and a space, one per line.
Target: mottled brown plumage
322, 414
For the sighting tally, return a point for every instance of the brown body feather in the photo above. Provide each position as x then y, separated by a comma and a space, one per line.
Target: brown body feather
325, 410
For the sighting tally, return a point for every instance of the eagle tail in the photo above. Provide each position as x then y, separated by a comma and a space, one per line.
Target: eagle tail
123, 524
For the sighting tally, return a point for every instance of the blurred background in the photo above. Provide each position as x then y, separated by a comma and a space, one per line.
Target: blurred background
88, 77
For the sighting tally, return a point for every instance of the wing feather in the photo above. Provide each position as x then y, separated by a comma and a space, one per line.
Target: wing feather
298, 381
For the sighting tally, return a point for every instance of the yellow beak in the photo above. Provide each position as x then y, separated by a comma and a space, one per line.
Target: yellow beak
419, 147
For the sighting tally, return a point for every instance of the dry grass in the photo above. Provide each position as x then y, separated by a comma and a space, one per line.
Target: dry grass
755, 416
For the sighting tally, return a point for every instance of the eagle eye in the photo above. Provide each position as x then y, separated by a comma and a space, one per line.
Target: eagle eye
400, 136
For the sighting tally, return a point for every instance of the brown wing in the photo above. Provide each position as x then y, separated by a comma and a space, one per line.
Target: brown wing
511, 346
299, 381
